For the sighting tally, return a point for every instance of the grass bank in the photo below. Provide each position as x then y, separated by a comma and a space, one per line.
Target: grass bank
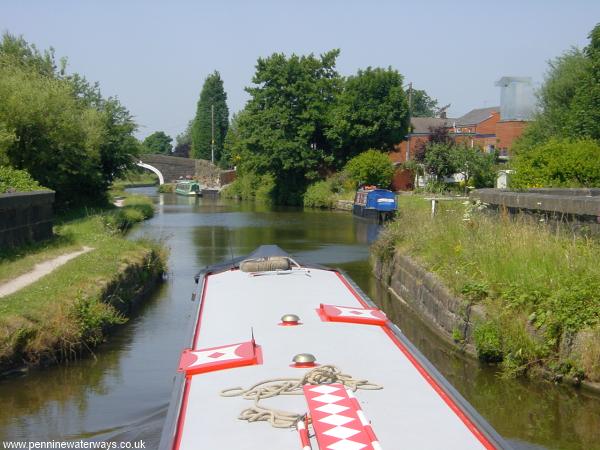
69, 311
325, 194
540, 289
166, 188
136, 178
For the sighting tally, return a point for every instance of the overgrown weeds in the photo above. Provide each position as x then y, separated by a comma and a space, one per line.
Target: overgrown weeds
537, 285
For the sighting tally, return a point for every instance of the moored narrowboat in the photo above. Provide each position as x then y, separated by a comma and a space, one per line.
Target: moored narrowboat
188, 187
374, 203
284, 355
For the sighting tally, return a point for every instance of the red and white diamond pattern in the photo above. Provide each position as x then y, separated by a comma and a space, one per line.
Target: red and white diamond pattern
215, 355
218, 358
335, 418
369, 316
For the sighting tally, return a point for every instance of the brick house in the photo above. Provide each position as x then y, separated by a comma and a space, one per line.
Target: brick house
491, 128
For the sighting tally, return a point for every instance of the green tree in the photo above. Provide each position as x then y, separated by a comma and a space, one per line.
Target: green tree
158, 142
58, 127
371, 112
438, 160
569, 99
558, 163
233, 144
476, 167
585, 117
371, 167
423, 105
16, 51
119, 147
212, 96
282, 130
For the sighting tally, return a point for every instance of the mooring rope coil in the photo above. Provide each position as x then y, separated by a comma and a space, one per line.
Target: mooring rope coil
273, 387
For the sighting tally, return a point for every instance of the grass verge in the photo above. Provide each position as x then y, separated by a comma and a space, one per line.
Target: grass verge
540, 288
325, 194
69, 311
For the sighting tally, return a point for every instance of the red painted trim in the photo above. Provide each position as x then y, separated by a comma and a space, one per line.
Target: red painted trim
186, 389
432, 382
181, 418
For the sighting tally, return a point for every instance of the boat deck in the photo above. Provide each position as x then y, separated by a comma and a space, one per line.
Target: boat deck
414, 410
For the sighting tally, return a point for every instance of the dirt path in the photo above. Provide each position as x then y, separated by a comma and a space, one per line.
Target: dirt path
40, 270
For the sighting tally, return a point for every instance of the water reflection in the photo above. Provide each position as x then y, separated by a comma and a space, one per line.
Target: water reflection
123, 393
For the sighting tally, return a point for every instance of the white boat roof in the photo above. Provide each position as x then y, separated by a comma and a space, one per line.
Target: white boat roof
416, 409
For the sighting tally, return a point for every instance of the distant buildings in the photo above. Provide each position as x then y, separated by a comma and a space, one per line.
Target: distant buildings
492, 128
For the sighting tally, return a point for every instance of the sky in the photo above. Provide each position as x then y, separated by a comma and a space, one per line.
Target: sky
154, 56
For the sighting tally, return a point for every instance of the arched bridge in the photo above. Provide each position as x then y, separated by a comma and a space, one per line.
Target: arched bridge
171, 168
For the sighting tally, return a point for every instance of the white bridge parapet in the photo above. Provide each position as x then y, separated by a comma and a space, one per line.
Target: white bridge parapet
161, 179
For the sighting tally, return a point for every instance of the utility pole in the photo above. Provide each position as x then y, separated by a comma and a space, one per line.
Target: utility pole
212, 141
409, 117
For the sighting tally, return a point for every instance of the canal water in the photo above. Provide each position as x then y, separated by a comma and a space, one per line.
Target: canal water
122, 392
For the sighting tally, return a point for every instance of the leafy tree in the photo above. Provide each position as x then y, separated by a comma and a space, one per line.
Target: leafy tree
423, 105
371, 112
585, 118
212, 95
476, 167
438, 160
437, 135
282, 130
158, 142
371, 167
233, 146
558, 163
58, 127
18, 52
569, 99
118, 147
183, 142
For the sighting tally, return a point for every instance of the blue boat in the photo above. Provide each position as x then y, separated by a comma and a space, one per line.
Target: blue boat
373, 203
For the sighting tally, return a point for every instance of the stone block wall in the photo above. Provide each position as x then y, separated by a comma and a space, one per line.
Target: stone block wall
577, 208
25, 217
207, 173
425, 293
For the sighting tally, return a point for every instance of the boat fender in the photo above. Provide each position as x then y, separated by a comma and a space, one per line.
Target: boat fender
269, 264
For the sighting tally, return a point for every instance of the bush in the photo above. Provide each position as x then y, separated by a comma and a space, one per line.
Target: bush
371, 167
13, 180
557, 163
251, 186
166, 188
320, 195
488, 342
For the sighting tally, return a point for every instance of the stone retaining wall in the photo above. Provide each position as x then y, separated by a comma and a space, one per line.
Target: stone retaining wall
25, 217
449, 316
579, 208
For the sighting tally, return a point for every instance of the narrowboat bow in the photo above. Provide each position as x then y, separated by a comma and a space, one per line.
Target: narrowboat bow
285, 355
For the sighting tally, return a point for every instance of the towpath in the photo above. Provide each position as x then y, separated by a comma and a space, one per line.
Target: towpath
40, 270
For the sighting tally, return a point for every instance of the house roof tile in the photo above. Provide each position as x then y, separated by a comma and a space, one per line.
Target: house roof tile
476, 116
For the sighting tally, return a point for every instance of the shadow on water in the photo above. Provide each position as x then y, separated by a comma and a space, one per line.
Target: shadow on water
122, 394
